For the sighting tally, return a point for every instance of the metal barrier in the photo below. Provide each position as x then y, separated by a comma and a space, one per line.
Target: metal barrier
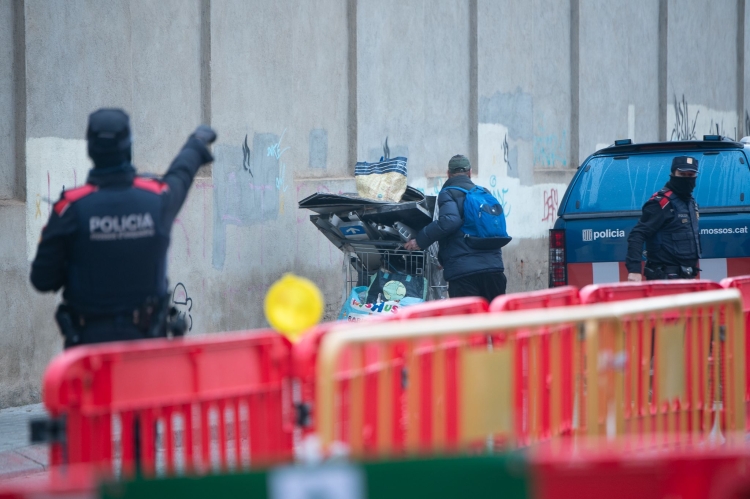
618, 291
440, 308
742, 283
305, 352
458, 392
546, 298
534, 360
617, 470
193, 404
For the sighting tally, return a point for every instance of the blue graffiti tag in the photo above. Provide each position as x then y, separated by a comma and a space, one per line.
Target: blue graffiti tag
276, 151
500, 195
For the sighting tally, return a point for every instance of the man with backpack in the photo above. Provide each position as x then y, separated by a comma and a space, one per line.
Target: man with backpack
470, 230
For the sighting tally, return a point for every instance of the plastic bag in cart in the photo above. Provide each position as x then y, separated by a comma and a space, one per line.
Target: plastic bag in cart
356, 307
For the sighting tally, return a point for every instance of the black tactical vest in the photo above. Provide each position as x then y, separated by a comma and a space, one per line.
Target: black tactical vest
118, 257
678, 242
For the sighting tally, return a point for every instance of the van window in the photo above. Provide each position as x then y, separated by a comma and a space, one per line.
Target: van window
623, 183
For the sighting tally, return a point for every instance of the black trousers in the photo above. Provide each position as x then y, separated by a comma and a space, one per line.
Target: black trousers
106, 330
488, 285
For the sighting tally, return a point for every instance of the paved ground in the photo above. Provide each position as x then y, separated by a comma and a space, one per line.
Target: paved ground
19, 460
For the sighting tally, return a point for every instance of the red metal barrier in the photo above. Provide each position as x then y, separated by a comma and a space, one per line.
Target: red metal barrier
194, 404
304, 357
618, 291
546, 298
534, 372
622, 472
641, 345
743, 284
439, 308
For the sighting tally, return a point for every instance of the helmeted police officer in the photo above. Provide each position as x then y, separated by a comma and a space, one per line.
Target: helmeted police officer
669, 227
106, 242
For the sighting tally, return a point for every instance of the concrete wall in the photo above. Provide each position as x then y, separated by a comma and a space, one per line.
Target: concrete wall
299, 91
618, 83
413, 82
7, 103
702, 69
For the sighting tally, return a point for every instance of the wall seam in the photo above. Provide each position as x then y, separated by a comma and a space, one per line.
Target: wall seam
740, 70
351, 20
19, 97
205, 73
662, 60
473, 84
574, 83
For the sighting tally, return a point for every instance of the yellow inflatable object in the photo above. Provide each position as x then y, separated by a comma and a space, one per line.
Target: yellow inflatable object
292, 305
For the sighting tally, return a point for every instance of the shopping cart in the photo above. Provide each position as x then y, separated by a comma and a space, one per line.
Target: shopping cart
362, 261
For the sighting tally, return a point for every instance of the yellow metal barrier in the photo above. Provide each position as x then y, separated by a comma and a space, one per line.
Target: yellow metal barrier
669, 366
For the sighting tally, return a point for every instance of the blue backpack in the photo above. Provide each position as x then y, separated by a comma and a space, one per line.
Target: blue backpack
484, 220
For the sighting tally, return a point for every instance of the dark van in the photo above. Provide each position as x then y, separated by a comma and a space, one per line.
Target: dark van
603, 203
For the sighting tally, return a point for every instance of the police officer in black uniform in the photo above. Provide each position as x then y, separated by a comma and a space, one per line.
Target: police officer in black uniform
106, 242
669, 227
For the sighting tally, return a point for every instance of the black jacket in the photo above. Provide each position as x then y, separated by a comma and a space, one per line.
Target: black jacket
456, 257
669, 227
106, 242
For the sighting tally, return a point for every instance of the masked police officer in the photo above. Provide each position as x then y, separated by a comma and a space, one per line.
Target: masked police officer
106, 242
669, 227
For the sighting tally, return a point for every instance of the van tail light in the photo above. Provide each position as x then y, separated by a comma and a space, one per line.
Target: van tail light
558, 271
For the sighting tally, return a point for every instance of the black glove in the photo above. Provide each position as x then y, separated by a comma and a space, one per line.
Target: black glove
205, 134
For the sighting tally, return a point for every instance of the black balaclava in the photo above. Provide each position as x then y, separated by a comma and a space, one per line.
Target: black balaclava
682, 186
108, 136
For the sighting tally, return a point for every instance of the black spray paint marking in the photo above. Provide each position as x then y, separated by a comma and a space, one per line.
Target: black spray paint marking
246, 157
183, 303
683, 130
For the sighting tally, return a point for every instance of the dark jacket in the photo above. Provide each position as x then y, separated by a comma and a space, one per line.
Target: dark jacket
106, 242
457, 259
669, 227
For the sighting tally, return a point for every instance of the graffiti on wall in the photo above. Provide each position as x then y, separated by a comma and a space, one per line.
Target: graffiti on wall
508, 164
550, 149
276, 151
550, 205
246, 157
247, 185
183, 303
683, 128
500, 193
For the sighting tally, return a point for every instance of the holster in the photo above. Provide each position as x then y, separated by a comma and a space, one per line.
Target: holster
654, 272
64, 319
156, 318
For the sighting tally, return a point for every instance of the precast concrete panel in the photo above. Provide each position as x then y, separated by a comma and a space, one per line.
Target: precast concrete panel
280, 103
28, 335
618, 84
702, 69
166, 79
282, 66
7, 103
745, 116
78, 58
524, 115
413, 82
524, 87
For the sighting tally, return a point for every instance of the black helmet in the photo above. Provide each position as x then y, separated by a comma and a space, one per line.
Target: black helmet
108, 136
